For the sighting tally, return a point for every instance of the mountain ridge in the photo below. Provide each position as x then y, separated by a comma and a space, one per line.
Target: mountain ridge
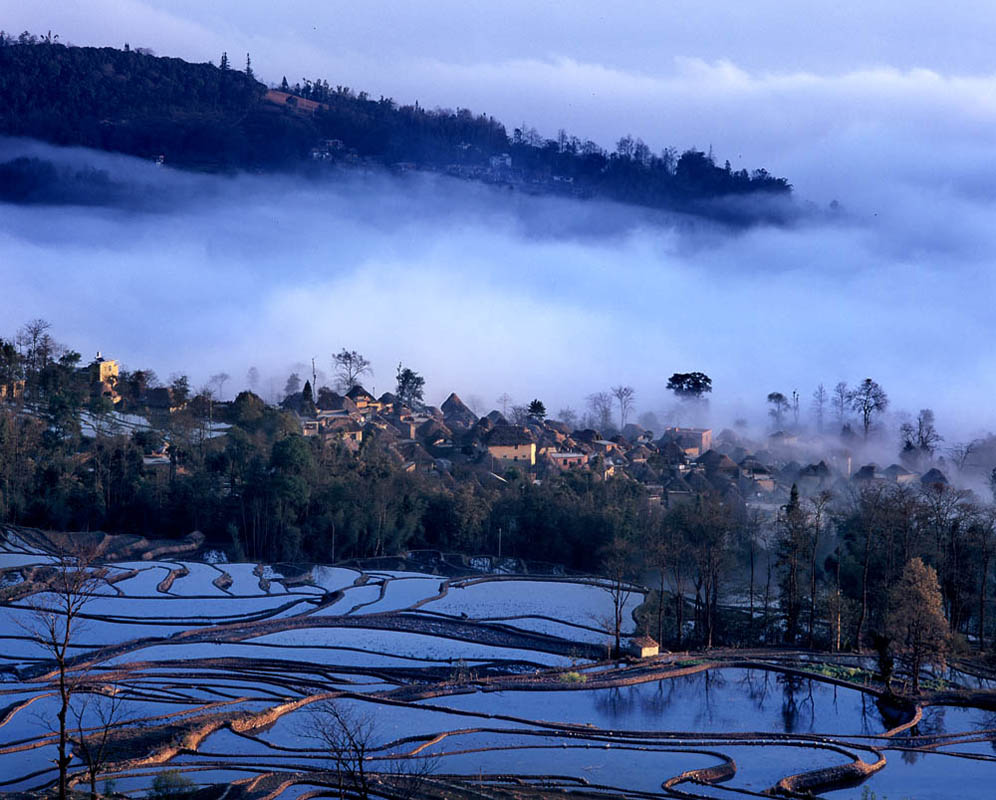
204, 117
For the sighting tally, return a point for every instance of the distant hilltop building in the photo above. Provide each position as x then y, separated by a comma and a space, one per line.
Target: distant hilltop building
693, 441
105, 370
104, 378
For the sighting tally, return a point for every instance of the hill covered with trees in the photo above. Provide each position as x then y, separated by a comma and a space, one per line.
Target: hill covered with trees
211, 117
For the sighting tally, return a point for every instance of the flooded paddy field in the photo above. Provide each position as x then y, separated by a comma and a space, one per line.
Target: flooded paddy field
245, 676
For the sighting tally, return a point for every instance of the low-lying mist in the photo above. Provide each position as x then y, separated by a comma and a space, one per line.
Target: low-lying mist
486, 291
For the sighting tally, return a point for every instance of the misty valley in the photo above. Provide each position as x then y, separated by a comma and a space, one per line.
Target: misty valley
359, 448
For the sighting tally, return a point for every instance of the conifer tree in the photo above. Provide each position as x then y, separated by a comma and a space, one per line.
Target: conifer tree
916, 623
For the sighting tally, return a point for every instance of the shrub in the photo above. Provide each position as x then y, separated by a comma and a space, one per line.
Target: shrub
171, 785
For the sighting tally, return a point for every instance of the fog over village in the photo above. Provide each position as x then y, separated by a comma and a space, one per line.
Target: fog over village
567, 297
444, 400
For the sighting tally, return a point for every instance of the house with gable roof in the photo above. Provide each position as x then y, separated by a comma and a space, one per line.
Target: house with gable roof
512, 445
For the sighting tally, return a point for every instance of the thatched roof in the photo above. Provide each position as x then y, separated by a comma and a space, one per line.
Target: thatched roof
509, 435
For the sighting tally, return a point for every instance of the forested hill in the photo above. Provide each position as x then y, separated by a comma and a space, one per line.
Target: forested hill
219, 118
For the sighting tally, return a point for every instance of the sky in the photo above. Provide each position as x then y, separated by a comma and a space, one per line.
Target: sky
888, 108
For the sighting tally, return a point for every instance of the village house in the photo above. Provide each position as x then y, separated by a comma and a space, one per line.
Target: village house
512, 445
814, 477
310, 427
900, 474
693, 441
643, 647
389, 403
564, 460
606, 446
330, 401
343, 429
757, 476
676, 491
639, 454
103, 375
363, 400
655, 494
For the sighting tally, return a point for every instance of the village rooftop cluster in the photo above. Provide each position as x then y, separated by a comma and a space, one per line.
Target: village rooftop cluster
674, 465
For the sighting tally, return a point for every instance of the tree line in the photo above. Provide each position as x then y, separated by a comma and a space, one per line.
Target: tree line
214, 117
905, 570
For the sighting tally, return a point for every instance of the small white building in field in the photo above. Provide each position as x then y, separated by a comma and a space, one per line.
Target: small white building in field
643, 647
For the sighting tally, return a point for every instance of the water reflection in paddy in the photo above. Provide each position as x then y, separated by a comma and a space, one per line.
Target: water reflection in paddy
714, 700
931, 776
620, 766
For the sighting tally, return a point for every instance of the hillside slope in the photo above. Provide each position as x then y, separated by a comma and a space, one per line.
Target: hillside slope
205, 117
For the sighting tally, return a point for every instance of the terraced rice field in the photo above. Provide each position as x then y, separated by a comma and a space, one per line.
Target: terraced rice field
245, 676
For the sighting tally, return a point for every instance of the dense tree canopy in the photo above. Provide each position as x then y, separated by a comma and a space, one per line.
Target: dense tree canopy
202, 116
689, 385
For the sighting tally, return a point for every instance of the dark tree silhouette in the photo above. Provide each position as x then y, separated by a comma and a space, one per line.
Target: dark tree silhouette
689, 385
410, 387
868, 400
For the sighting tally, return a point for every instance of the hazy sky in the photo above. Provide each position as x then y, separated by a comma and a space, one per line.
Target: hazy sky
888, 107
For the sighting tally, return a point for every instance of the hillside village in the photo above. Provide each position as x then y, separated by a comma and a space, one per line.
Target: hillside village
673, 465
451, 443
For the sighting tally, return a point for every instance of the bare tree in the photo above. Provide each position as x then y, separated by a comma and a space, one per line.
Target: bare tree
568, 416
55, 618
920, 440
36, 345
753, 532
960, 452
868, 399
624, 396
817, 522
219, 380
839, 402
349, 366
820, 398
91, 740
927, 437
504, 400
346, 735
475, 404
617, 566
600, 405
252, 379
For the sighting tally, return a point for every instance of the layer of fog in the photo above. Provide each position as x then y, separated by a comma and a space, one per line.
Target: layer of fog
486, 292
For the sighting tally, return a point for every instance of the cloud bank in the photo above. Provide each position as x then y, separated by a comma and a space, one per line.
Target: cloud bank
485, 293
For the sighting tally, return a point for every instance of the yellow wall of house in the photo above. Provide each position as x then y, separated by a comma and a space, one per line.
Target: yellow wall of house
514, 452
108, 371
